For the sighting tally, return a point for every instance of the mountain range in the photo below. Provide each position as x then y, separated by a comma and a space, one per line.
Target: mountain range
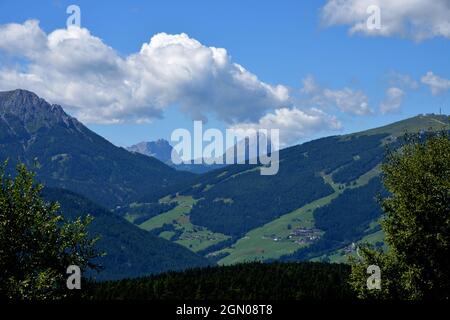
70, 156
162, 150
88, 175
153, 217
320, 204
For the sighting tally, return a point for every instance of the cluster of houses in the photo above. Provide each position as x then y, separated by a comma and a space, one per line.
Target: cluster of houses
301, 236
199, 236
304, 236
350, 249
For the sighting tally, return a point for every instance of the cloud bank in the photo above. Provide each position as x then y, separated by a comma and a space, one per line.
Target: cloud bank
392, 101
294, 124
436, 84
96, 84
346, 100
413, 19
78, 70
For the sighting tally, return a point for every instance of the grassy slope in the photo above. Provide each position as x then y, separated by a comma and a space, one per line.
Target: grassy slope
411, 125
259, 244
193, 237
341, 256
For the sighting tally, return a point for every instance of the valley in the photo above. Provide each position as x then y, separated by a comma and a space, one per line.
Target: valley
206, 158
287, 233
317, 207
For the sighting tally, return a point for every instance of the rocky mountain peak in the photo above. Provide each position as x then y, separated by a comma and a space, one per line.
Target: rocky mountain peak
22, 107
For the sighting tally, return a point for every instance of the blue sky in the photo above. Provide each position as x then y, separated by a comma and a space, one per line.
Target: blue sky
280, 42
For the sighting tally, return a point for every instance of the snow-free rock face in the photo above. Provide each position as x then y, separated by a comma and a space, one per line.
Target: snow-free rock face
160, 149
71, 156
22, 107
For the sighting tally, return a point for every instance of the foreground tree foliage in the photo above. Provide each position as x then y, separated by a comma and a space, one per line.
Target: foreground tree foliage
416, 223
36, 244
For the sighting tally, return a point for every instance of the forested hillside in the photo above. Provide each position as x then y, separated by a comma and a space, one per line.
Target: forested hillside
322, 200
265, 198
68, 155
253, 281
130, 251
344, 220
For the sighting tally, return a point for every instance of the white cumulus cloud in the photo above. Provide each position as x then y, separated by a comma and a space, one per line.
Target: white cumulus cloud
392, 101
403, 81
294, 124
414, 19
346, 99
436, 84
78, 70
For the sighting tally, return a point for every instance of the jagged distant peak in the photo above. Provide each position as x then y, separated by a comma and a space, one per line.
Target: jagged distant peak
160, 149
33, 111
